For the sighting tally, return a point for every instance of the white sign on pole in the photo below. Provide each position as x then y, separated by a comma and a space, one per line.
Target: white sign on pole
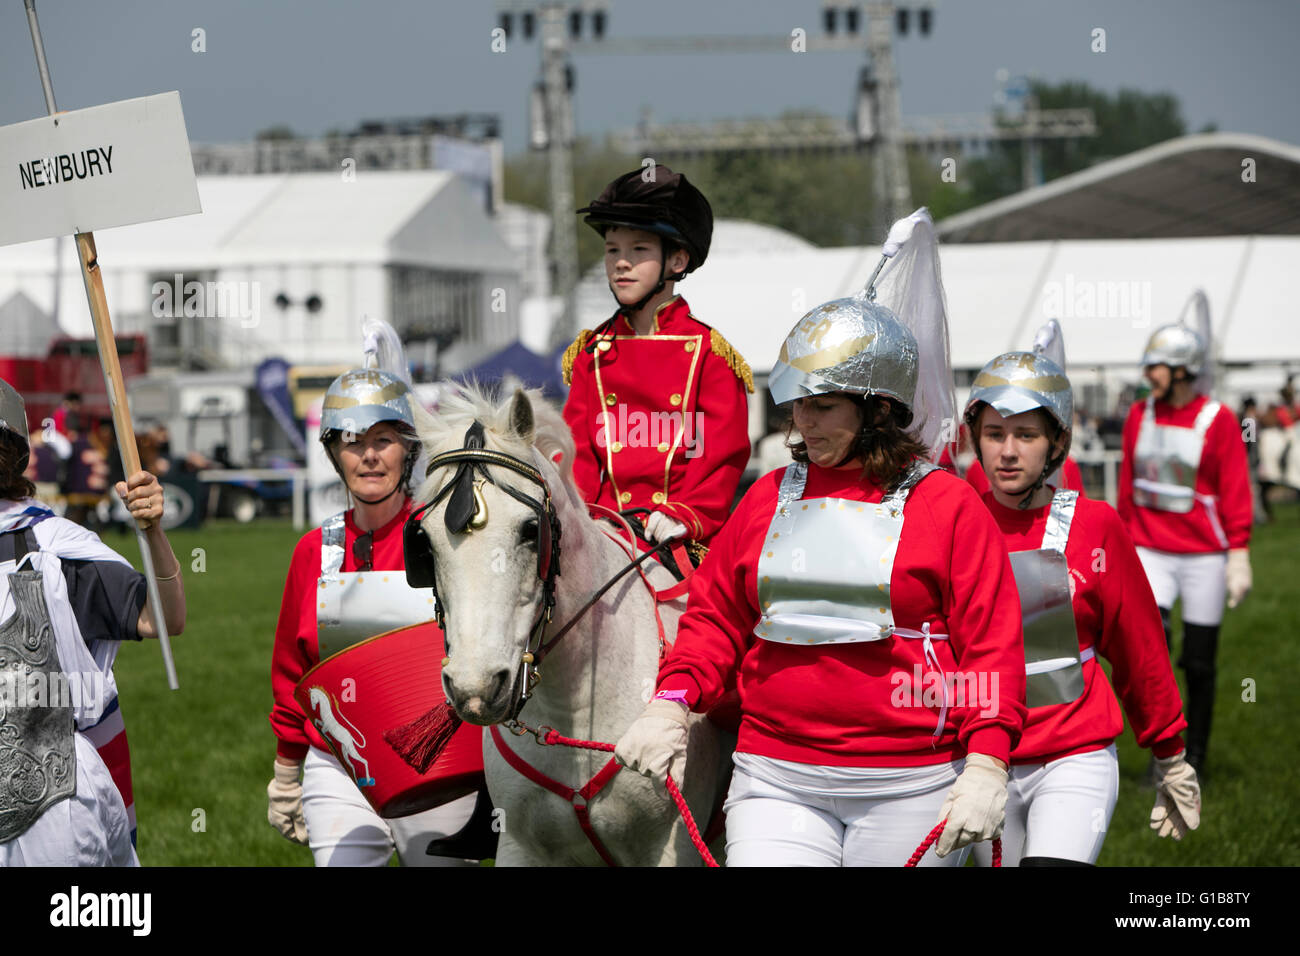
91, 169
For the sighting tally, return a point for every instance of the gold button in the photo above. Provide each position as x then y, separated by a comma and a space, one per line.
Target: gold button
616, 447
610, 399
690, 346
775, 535
603, 346
674, 399
663, 447
659, 497
322, 605
769, 554
766, 579
625, 497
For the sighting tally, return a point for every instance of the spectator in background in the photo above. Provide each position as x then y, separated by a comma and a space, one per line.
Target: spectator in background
45, 470
86, 480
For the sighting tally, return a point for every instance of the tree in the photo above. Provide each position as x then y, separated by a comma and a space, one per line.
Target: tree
1126, 121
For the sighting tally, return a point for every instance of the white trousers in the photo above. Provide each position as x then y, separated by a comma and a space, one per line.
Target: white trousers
1059, 809
344, 830
787, 822
89, 828
1201, 579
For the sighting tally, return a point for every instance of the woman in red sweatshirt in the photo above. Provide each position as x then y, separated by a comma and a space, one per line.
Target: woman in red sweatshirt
1082, 592
1184, 494
864, 606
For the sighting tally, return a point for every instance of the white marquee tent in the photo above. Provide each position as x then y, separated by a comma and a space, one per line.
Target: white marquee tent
402, 246
1109, 295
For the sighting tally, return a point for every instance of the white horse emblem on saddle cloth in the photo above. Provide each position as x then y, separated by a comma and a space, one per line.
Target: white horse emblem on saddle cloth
349, 741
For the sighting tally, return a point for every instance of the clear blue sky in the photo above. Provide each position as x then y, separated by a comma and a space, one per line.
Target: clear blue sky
329, 63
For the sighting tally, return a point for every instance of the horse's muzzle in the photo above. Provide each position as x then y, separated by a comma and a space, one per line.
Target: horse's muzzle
482, 705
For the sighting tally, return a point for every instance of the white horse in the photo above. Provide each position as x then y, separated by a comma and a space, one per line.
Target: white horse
345, 737
600, 674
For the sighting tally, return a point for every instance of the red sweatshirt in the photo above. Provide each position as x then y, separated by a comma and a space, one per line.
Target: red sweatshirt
295, 650
844, 704
1115, 613
1070, 474
1223, 473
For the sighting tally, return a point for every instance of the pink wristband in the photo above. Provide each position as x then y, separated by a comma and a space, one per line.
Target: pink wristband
677, 696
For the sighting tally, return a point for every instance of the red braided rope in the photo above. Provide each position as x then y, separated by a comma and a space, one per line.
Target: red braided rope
934, 835
554, 737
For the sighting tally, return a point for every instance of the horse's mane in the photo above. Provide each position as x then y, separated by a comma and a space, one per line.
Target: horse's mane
465, 404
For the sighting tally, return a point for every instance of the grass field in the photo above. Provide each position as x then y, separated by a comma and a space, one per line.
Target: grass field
202, 756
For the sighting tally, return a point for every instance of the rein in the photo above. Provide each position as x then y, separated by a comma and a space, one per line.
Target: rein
546, 648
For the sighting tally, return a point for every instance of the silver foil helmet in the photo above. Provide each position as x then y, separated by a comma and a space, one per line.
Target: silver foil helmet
1175, 345
13, 412
1018, 382
13, 418
363, 397
847, 345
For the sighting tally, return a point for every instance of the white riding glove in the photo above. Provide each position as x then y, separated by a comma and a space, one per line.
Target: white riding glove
1238, 575
659, 527
1178, 797
655, 744
975, 806
284, 810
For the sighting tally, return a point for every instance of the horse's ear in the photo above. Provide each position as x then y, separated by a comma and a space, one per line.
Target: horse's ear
521, 416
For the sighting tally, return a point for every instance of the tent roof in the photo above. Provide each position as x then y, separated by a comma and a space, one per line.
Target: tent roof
378, 218
1190, 186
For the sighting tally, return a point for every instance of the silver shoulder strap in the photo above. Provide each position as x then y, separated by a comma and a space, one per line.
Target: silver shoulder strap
898, 497
1059, 518
333, 534
792, 483
1205, 418
791, 490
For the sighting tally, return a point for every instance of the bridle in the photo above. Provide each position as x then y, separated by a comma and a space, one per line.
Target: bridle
467, 512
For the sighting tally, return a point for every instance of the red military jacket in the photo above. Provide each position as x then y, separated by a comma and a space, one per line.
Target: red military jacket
660, 421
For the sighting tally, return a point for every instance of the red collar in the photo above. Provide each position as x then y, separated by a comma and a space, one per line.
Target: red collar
395, 522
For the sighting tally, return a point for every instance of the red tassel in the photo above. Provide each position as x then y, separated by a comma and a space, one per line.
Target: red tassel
421, 741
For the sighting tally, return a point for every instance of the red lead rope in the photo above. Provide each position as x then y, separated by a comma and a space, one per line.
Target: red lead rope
553, 737
934, 835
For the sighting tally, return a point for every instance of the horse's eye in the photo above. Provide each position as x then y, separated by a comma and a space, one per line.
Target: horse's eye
528, 533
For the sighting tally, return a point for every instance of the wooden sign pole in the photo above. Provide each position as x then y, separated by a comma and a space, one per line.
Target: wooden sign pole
113, 383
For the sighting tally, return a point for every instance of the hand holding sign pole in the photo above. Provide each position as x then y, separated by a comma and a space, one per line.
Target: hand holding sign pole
57, 195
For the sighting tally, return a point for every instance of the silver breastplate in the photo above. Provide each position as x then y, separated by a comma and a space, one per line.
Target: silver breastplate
1166, 459
1053, 668
354, 606
37, 746
825, 567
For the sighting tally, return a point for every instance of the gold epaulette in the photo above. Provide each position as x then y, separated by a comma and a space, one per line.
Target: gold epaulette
723, 350
571, 355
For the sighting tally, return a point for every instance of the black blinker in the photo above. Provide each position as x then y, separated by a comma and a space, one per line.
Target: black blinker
460, 506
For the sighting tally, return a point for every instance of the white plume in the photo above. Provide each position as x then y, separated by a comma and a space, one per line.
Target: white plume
911, 287
383, 349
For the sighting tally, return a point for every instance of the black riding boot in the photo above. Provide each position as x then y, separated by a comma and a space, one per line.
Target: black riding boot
1200, 645
1149, 783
